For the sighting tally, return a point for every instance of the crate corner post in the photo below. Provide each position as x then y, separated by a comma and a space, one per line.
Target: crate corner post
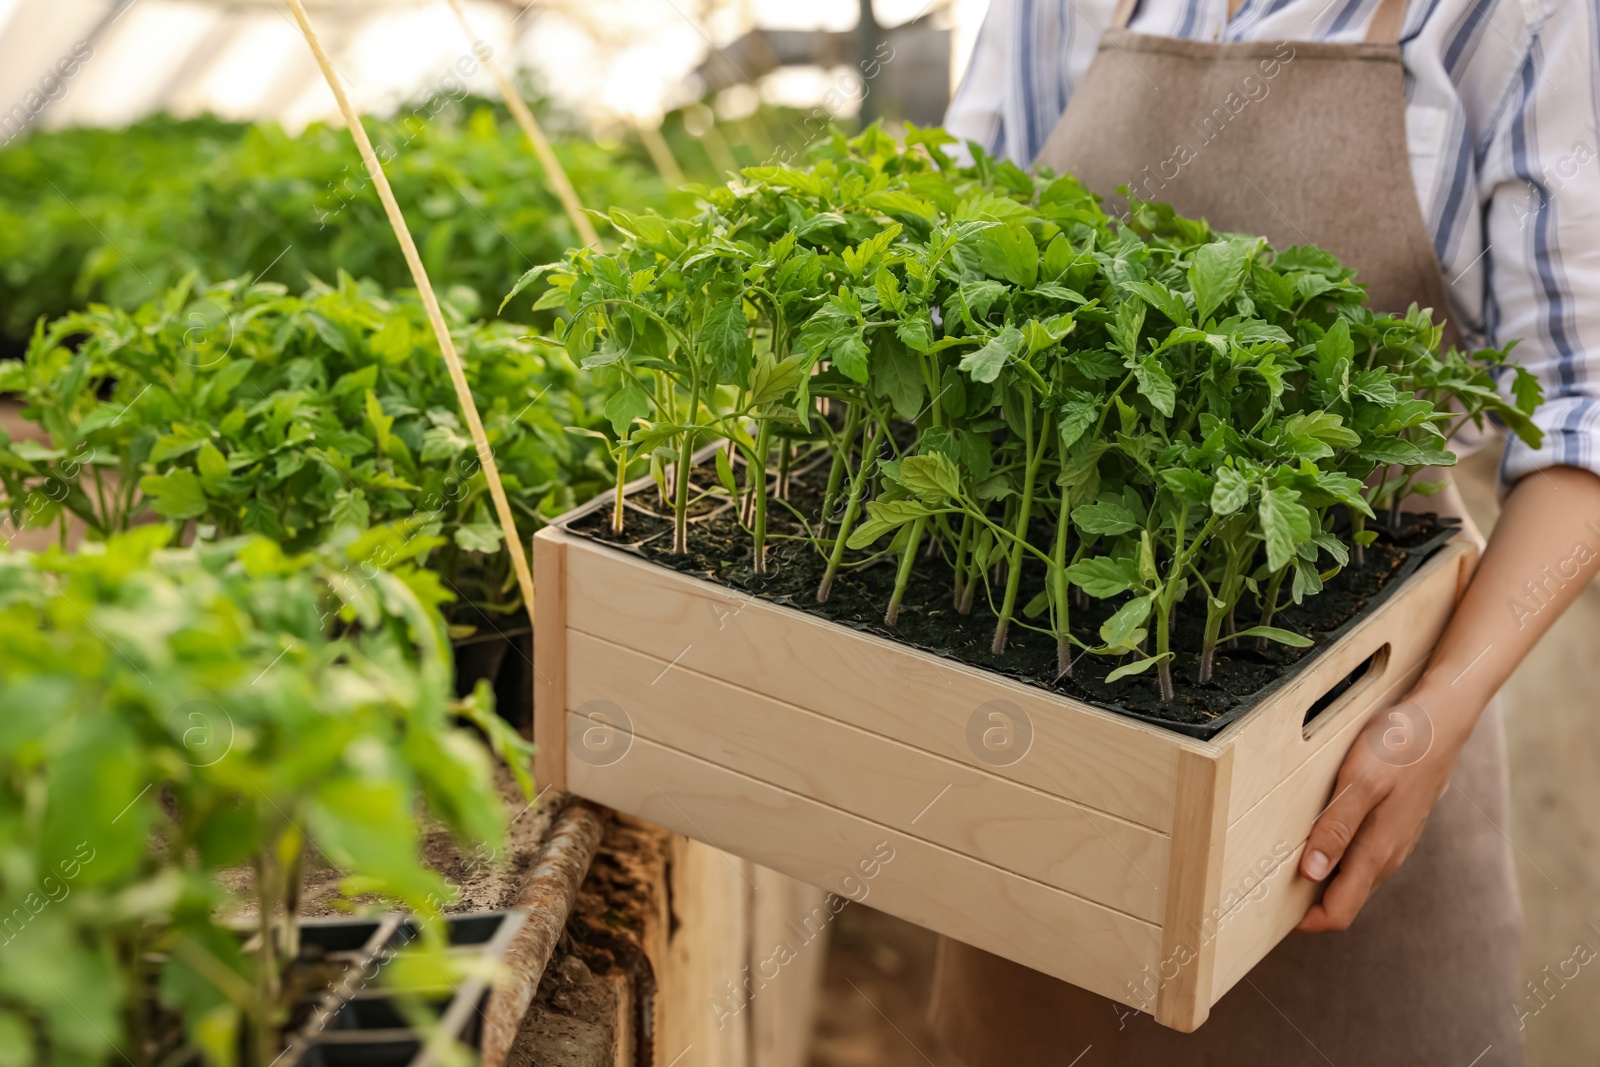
1200, 821
550, 659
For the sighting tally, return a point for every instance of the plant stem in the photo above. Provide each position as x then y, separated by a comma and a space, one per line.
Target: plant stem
960, 566
266, 962
680, 505
841, 458
902, 576
1024, 512
1062, 595
757, 477
1228, 594
1270, 607
1163, 633
858, 483
1358, 525
1166, 604
617, 511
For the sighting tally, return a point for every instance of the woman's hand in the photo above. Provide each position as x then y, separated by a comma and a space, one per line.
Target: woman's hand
1544, 551
1395, 772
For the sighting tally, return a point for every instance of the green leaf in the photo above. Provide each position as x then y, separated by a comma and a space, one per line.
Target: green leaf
479, 536
1009, 252
213, 467
1136, 667
884, 516
933, 477
1188, 486
1122, 630
1105, 518
849, 355
625, 405
1165, 300
379, 422
1104, 576
1272, 633
725, 474
980, 296
1322, 426
916, 331
1216, 273
1286, 524
897, 376
1231, 493
725, 340
177, 495
350, 509
1155, 385
1075, 417
984, 364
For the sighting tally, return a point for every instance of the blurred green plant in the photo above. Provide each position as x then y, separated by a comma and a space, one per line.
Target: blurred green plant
174, 714
242, 409
120, 216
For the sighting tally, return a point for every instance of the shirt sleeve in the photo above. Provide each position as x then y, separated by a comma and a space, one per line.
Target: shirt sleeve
1539, 180
977, 111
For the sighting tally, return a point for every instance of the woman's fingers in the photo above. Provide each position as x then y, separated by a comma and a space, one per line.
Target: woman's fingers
1357, 793
1363, 867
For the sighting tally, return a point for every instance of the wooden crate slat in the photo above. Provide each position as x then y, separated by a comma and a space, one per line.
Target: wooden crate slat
1041, 927
1113, 764
1255, 926
1010, 825
1282, 819
1200, 823
550, 662
1270, 741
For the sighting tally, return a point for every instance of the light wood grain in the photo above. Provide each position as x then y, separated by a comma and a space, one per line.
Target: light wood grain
1103, 761
550, 661
1282, 819
710, 945
1041, 927
1260, 920
1270, 740
1199, 824
1142, 865
786, 1007
946, 802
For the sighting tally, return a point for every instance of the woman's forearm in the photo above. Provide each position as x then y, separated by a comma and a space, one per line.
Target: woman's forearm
1544, 550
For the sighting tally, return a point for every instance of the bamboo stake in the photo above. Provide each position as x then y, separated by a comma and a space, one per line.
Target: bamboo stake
419, 275
661, 154
559, 182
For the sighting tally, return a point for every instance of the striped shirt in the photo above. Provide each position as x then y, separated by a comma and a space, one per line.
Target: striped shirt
1503, 123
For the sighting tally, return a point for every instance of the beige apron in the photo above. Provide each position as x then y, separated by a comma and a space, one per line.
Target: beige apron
1303, 142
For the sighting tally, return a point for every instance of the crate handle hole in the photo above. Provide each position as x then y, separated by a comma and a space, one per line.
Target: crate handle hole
1346, 689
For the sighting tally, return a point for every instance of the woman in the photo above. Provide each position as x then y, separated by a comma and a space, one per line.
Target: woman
1446, 149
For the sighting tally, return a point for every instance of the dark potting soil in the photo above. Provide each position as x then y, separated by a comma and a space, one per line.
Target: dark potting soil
720, 551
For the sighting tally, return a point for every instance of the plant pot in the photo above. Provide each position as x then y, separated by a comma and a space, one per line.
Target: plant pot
356, 1023
1150, 867
504, 656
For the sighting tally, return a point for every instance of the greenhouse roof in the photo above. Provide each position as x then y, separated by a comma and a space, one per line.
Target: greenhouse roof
109, 62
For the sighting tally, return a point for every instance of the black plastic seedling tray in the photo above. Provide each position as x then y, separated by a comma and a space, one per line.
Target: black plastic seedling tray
357, 1023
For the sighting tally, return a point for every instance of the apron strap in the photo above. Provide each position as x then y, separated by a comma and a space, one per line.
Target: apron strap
1387, 21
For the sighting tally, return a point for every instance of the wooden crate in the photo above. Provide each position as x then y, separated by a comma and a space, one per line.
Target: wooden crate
1149, 867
